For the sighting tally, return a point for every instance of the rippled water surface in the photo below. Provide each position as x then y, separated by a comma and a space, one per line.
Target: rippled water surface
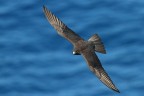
35, 61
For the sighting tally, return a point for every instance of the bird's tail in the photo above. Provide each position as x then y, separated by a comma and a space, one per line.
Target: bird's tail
96, 41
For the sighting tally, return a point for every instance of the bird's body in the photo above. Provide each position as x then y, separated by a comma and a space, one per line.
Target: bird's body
85, 48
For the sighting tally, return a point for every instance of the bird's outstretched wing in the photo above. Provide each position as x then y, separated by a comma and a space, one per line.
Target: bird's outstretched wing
62, 29
96, 67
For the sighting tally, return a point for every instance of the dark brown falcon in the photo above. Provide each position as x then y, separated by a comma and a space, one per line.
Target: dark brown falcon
85, 48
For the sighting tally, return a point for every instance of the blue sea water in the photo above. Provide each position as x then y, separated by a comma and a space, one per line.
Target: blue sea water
36, 61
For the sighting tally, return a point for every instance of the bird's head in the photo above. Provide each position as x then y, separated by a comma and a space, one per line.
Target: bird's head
76, 53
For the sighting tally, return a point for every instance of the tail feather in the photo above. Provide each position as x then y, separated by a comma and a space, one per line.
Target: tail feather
99, 47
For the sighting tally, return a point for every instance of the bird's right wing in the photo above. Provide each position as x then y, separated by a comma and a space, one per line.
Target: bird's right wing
96, 67
62, 29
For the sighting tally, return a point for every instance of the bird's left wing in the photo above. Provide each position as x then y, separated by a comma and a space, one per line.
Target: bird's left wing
62, 29
96, 67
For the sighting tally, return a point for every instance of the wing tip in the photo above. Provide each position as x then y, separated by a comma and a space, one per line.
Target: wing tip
105, 79
44, 7
116, 90
113, 87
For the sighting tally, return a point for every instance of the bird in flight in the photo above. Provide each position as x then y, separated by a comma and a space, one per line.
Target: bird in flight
81, 47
